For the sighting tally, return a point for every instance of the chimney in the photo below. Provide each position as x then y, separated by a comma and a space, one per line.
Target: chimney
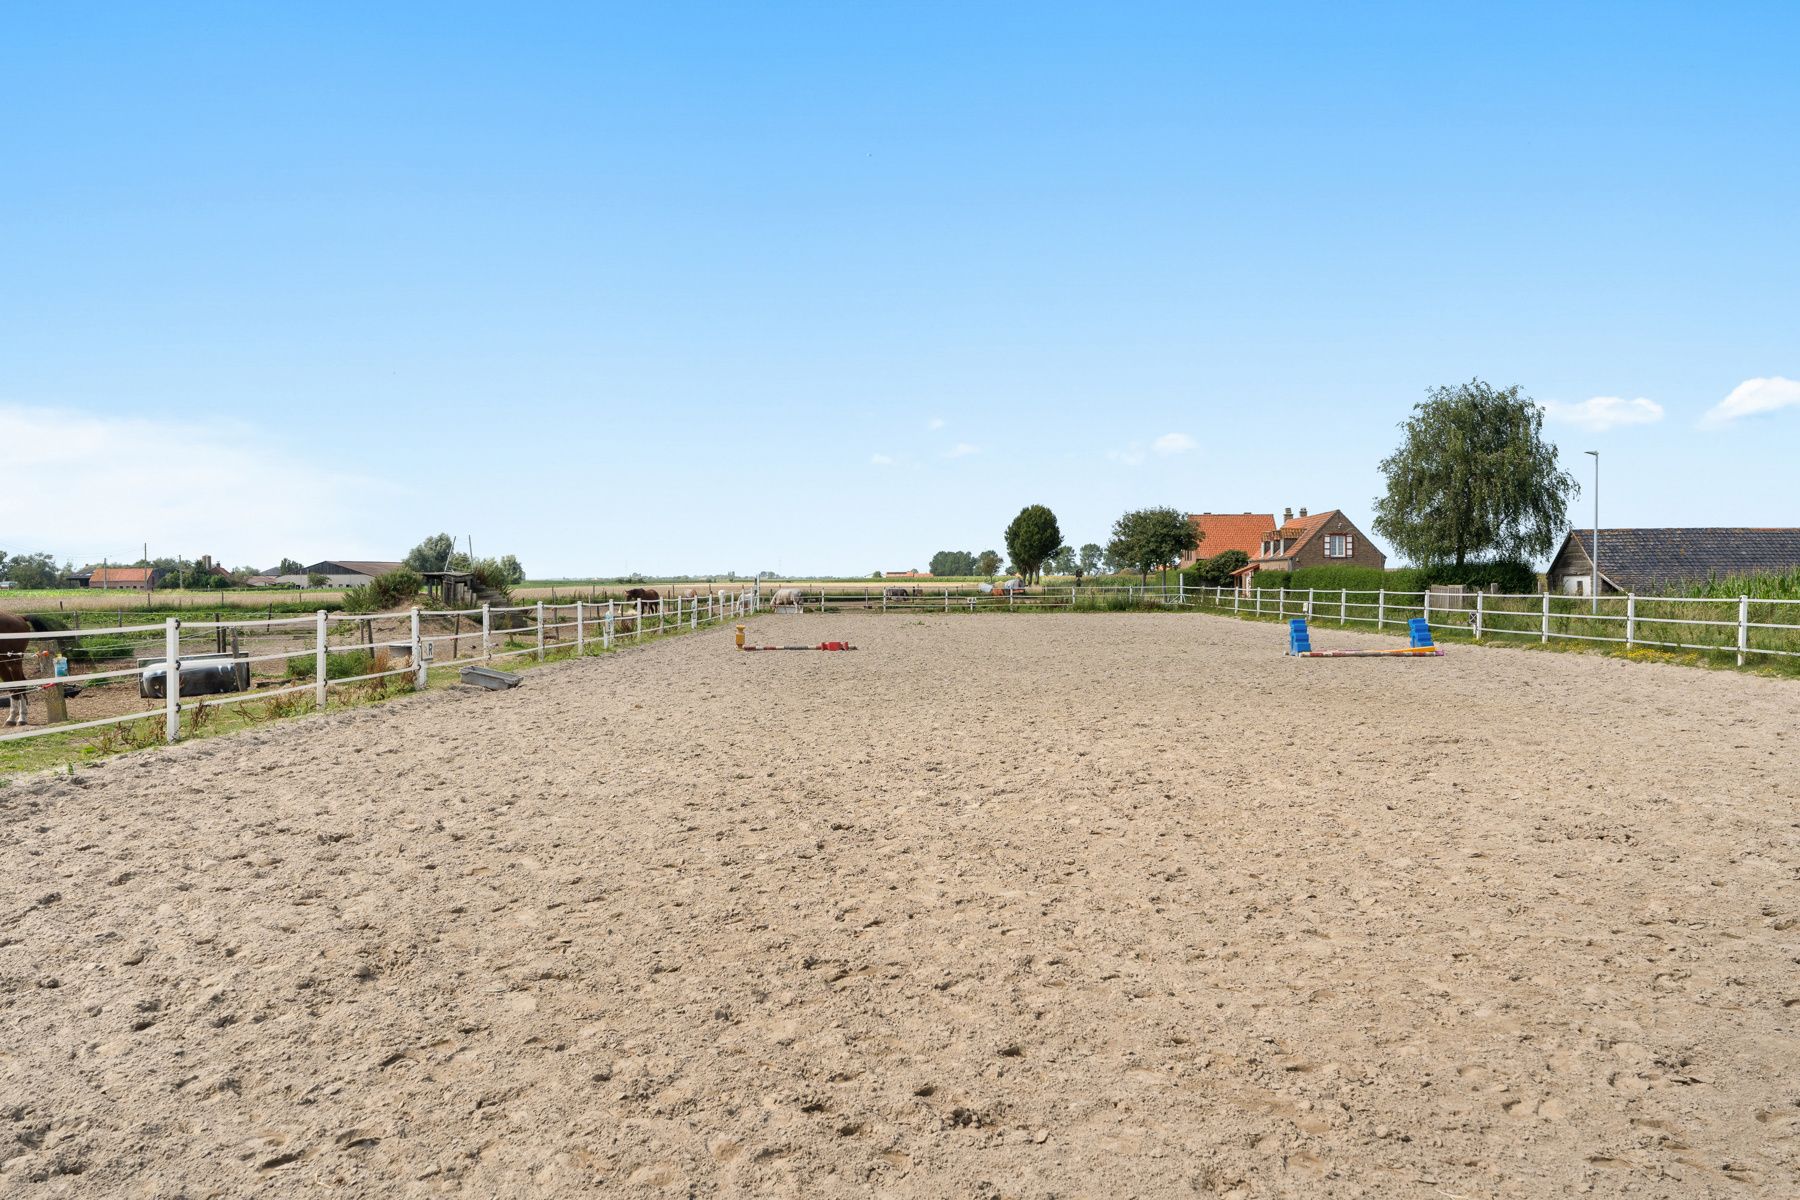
1303, 510
1287, 514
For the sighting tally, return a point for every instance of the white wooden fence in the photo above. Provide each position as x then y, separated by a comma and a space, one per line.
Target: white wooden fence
1746, 627
581, 626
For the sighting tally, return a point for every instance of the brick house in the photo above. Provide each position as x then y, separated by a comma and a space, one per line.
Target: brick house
1227, 531
1326, 539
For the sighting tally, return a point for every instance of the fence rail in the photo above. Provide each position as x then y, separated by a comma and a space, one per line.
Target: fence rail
298, 654
1745, 627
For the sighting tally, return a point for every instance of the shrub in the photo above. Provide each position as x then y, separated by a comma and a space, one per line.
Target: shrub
342, 664
1512, 577
384, 592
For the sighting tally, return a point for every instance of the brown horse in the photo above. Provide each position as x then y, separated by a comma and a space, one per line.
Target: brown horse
650, 596
12, 661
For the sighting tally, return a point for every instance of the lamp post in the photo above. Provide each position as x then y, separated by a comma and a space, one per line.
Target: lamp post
1594, 550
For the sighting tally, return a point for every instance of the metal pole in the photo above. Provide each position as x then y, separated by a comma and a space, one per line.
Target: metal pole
172, 679
319, 663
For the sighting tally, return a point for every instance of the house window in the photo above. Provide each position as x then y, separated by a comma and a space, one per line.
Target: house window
1337, 545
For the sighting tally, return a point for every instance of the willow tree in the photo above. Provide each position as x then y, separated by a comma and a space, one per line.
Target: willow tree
1474, 478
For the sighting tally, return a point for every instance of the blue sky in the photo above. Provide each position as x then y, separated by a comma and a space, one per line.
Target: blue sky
829, 287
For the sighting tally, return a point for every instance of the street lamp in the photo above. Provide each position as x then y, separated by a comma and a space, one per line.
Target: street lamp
1594, 551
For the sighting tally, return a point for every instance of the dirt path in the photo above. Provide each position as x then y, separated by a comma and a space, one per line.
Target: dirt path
997, 906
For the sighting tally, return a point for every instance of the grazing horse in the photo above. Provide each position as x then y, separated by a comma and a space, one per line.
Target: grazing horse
12, 660
650, 596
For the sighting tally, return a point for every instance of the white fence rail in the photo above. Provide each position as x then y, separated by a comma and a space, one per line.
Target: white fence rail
1746, 627
300, 649
308, 648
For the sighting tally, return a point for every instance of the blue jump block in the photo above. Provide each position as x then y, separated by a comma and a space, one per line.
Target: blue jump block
1421, 634
1299, 640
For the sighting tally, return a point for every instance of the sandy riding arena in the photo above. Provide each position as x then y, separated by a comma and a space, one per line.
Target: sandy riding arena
1049, 905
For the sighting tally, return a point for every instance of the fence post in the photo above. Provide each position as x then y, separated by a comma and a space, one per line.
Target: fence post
1343, 603
1281, 602
1544, 632
1630, 619
1743, 628
1381, 608
606, 634
946, 599
319, 663
694, 614
1480, 613
1259, 593
487, 627
172, 679
418, 651
1180, 589
638, 625
580, 631
1310, 594
540, 631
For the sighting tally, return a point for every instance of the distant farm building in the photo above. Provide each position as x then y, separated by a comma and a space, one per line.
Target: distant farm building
1321, 540
1220, 532
121, 579
906, 574
345, 572
1656, 560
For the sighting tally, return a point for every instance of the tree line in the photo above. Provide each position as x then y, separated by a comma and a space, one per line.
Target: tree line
1473, 485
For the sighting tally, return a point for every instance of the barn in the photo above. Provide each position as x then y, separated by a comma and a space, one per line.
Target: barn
1657, 560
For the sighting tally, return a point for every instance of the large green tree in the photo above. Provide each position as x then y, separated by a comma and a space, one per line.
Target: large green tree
988, 563
432, 554
1091, 560
1063, 562
1148, 538
952, 563
1032, 537
1474, 477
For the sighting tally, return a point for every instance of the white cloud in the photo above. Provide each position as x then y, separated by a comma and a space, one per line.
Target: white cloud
882, 460
84, 486
1131, 456
1174, 443
1751, 397
935, 423
961, 450
1601, 413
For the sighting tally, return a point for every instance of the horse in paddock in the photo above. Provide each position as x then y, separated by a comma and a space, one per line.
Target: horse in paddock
12, 660
650, 596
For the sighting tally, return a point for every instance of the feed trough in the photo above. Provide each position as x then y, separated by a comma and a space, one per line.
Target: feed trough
494, 681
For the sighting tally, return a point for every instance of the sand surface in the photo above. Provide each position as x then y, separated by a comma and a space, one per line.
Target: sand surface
1053, 905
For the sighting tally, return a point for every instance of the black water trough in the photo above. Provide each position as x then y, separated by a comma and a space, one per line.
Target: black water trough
201, 675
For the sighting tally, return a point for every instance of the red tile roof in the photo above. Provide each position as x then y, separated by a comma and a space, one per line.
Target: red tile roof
120, 575
1230, 531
